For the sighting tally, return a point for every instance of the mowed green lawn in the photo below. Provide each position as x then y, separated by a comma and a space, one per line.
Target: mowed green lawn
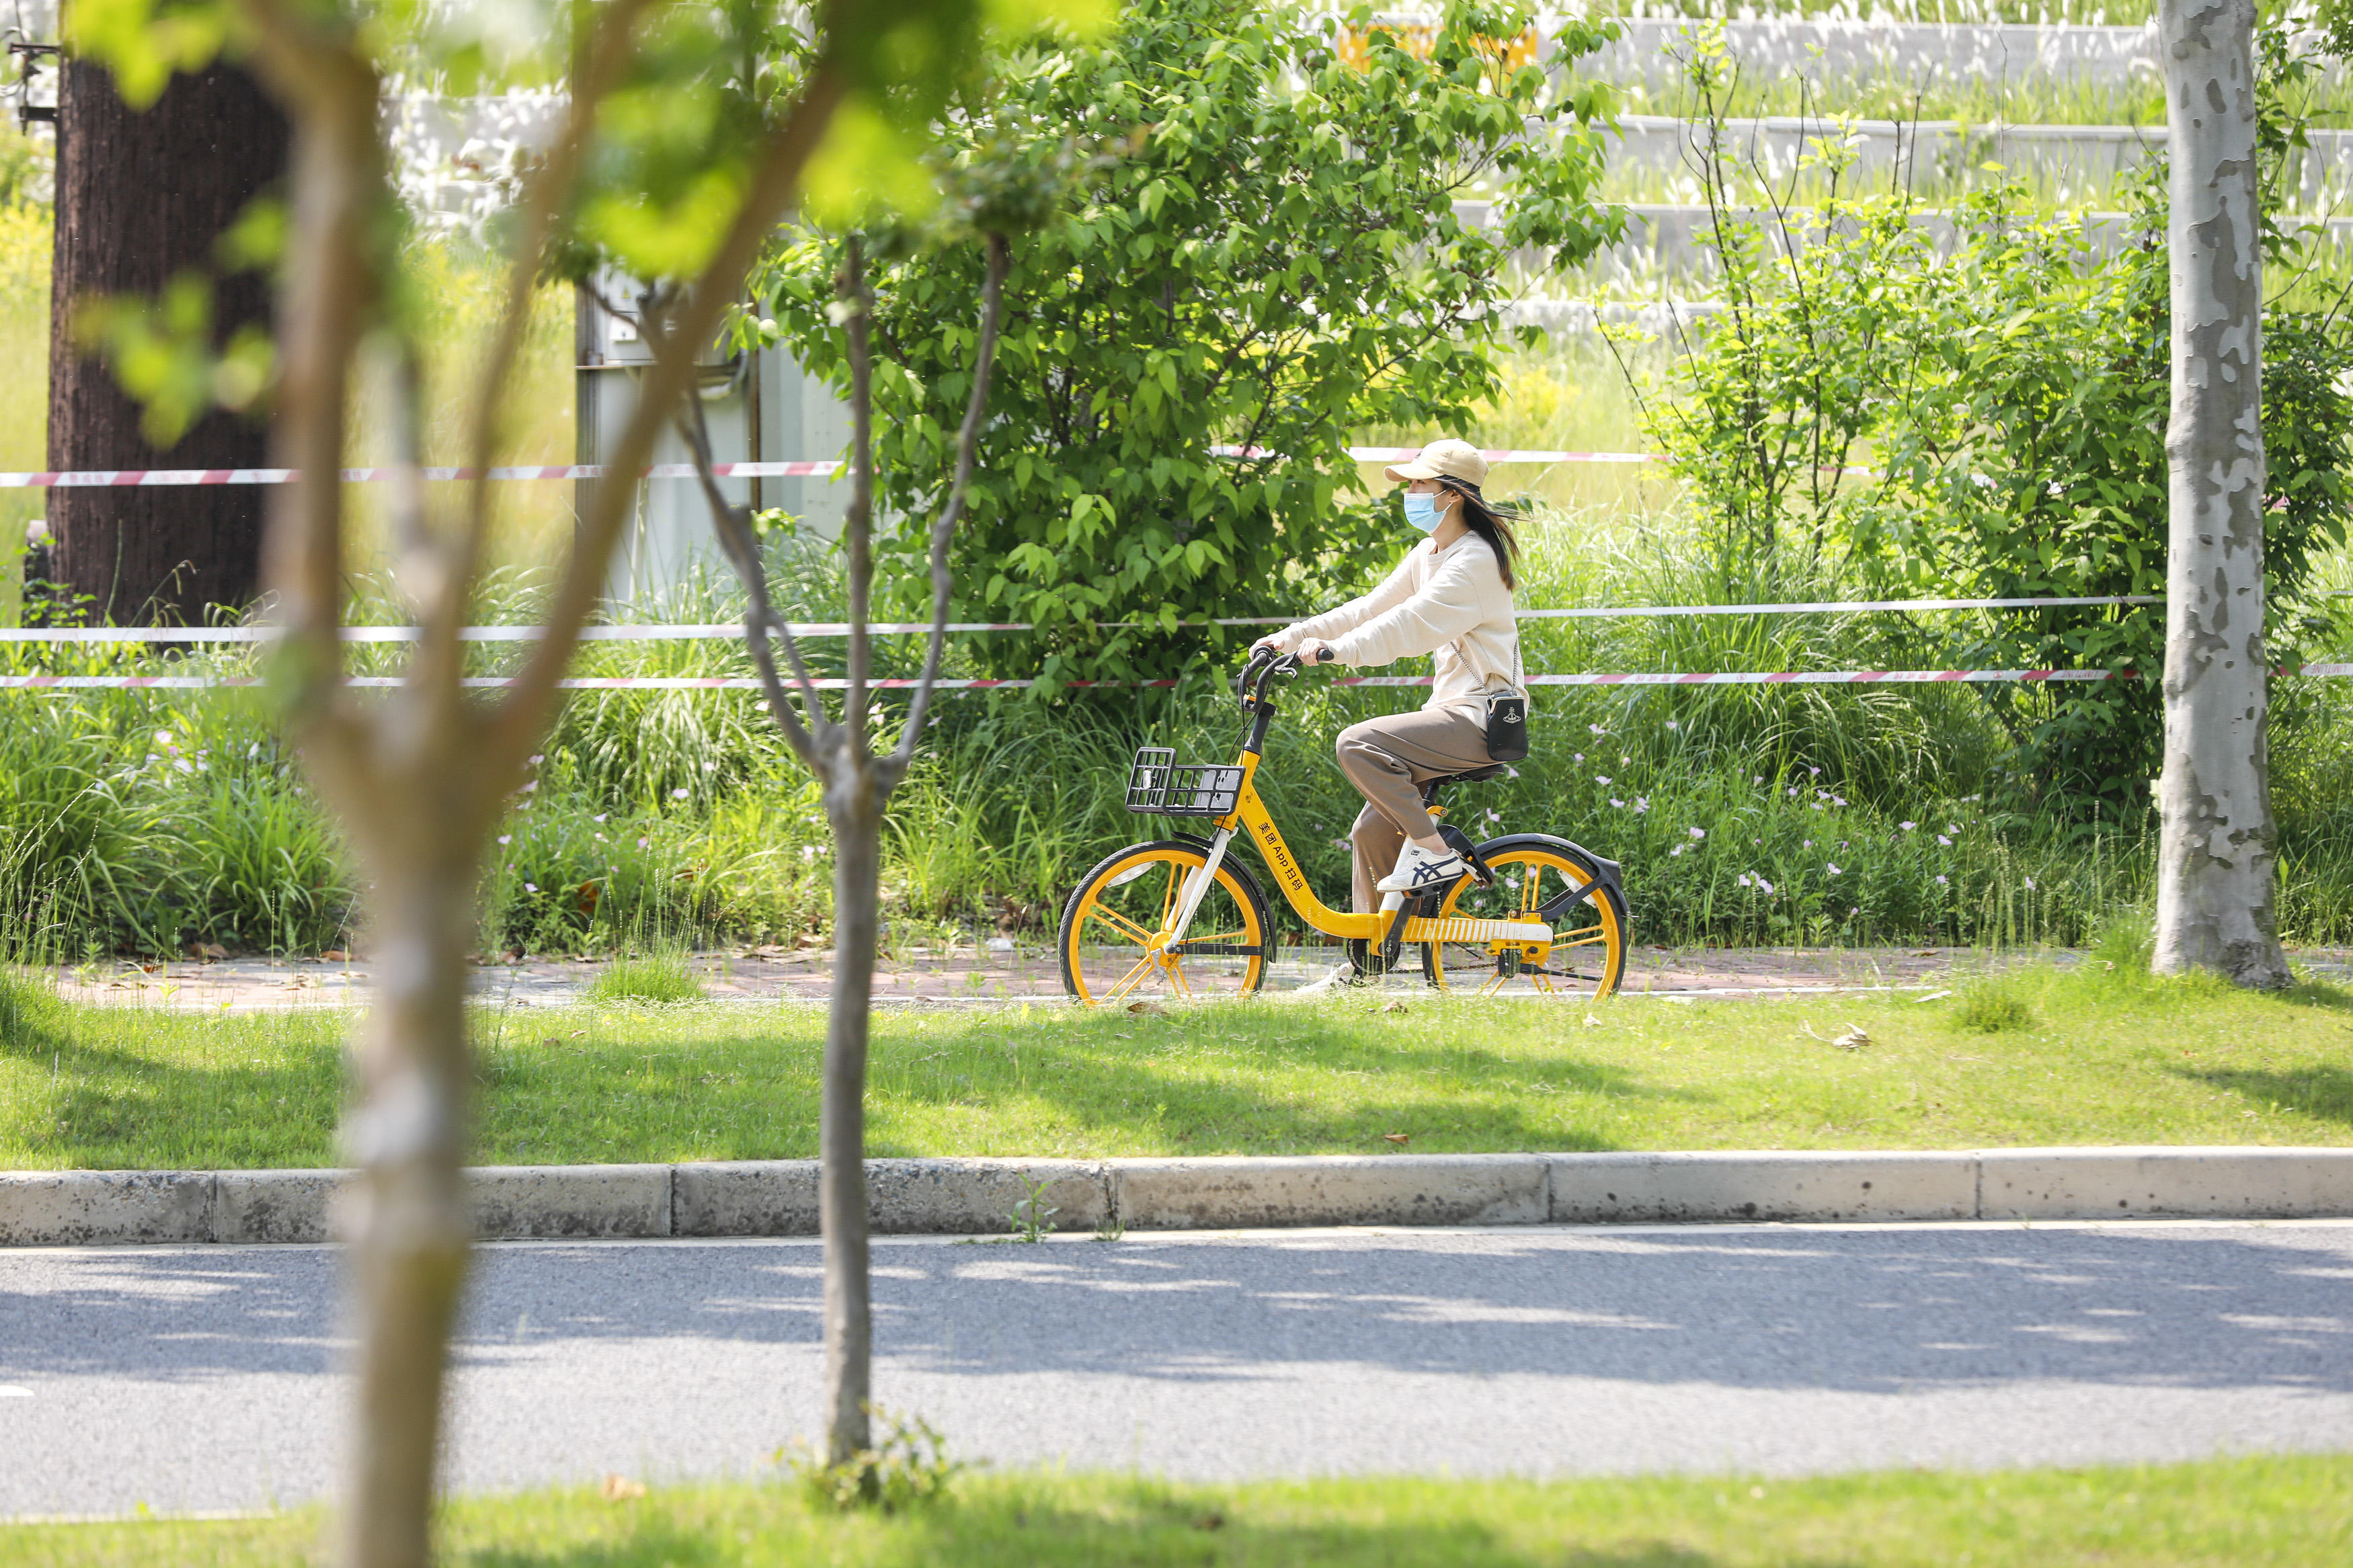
2042, 1057
2248, 1514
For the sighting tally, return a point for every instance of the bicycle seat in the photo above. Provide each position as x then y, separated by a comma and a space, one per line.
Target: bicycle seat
1492, 771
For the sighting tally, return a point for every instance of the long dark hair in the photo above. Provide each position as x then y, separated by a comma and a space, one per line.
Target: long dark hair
1490, 525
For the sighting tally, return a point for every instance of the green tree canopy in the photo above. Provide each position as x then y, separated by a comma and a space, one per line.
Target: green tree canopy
1270, 253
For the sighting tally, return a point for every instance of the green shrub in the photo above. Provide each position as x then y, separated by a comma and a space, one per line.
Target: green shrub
907, 1467
659, 977
1992, 1007
1270, 259
1983, 417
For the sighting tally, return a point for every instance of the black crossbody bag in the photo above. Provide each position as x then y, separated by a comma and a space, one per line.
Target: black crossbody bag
1508, 725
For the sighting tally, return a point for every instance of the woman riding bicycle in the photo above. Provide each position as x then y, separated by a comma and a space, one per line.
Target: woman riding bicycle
1451, 597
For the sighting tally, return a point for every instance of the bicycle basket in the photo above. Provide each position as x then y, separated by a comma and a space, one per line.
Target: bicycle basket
1160, 785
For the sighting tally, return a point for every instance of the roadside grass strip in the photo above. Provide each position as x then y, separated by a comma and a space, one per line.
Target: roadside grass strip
2248, 1512
2036, 1056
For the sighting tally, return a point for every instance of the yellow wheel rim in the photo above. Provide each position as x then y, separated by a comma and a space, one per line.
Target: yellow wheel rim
1112, 950
1588, 955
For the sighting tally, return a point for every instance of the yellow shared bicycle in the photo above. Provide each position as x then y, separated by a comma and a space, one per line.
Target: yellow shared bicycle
1534, 915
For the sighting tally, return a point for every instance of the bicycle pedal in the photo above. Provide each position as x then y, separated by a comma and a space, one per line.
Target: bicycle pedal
1459, 842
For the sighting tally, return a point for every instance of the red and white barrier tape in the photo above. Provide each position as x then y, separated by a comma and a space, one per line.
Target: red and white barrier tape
1497, 455
746, 683
733, 629
133, 478
727, 630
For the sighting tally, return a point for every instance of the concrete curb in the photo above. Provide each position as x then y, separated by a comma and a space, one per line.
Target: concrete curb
949, 1197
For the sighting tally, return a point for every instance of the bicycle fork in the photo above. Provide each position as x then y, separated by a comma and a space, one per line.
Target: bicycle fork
1197, 888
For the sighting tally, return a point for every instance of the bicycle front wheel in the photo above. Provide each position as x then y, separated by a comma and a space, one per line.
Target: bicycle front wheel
1110, 937
1587, 956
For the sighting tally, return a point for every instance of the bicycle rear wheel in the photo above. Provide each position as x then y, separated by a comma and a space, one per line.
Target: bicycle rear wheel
1115, 918
1587, 956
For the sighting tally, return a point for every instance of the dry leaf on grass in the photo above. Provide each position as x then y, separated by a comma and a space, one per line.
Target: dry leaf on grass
620, 1489
1397, 1137
1150, 1009
1394, 1007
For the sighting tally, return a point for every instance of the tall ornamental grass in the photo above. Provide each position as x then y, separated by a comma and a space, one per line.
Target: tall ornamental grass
142, 821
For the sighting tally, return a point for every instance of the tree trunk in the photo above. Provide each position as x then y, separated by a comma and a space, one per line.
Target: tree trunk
854, 800
408, 1227
141, 198
2216, 856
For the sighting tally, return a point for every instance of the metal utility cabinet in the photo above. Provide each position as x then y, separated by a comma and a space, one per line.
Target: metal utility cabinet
760, 407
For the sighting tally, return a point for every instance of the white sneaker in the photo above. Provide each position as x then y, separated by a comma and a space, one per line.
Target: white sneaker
1418, 870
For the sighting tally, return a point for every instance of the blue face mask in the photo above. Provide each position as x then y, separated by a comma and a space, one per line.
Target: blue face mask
1421, 511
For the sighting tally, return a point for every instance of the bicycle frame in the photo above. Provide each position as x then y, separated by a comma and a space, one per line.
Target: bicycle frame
1250, 813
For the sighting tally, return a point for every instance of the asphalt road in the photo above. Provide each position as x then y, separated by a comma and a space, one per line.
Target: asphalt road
203, 1378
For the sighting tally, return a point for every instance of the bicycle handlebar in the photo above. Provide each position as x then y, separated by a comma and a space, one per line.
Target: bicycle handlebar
1264, 665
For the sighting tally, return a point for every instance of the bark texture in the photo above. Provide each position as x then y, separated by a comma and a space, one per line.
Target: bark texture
854, 805
141, 198
2216, 855
420, 775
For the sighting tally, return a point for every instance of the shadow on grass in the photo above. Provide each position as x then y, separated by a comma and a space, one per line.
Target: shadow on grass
1266, 1084
98, 1088
2319, 994
205, 1092
1248, 1080
2321, 1090
1142, 1526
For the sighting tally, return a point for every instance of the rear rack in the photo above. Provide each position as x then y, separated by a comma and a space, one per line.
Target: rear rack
1160, 785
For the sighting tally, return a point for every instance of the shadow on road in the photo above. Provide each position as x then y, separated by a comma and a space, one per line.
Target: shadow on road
1885, 1311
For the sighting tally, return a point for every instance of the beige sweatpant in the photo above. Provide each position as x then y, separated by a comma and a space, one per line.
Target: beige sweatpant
1389, 760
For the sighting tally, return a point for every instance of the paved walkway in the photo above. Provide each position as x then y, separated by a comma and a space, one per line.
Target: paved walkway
193, 1378
995, 974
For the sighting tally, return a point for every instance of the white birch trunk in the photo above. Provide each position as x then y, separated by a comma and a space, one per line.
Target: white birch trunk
2216, 856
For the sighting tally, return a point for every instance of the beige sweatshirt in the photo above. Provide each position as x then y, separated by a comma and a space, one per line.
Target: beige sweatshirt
1450, 603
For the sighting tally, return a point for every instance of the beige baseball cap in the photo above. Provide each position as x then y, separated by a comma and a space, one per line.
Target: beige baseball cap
1447, 459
